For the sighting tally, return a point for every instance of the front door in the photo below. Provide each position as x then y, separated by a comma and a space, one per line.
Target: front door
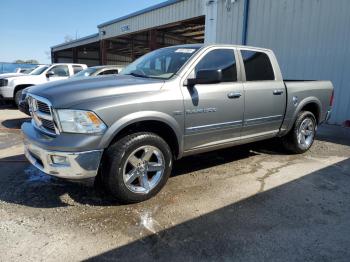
214, 112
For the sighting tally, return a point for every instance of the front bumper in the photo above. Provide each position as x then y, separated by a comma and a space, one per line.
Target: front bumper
79, 165
6, 92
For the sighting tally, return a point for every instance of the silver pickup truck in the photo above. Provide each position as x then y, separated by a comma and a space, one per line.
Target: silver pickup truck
127, 130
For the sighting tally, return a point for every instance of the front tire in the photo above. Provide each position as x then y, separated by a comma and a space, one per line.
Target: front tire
136, 167
17, 97
302, 135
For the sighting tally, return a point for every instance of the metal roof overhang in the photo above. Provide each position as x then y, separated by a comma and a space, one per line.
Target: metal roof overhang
78, 42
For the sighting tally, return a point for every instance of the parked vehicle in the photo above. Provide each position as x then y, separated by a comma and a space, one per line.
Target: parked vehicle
24, 70
90, 71
11, 88
170, 103
99, 70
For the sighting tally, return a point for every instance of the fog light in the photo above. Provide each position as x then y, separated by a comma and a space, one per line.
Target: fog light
60, 160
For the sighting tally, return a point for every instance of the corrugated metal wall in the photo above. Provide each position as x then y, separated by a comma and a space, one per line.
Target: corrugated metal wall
229, 22
182, 10
310, 38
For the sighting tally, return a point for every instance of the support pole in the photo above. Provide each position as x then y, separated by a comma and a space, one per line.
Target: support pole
103, 52
153, 45
75, 55
245, 22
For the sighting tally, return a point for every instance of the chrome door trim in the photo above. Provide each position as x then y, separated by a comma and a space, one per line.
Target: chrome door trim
210, 127
230, 142
262, 120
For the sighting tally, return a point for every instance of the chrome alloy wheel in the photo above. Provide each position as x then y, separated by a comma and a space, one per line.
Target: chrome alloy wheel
306, 133
143, 169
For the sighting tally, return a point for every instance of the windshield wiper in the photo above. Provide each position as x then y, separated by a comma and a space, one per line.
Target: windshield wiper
137, 75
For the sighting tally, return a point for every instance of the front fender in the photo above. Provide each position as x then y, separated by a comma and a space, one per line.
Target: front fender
132, 118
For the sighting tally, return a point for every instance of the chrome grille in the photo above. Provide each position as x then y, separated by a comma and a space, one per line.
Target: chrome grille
3, 82
48, 125
42, 107
40, 110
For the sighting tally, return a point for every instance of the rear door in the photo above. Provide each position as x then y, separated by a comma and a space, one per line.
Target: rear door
214, 112
264, 94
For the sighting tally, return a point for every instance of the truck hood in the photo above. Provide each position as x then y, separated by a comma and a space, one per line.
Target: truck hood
10, 75
66, 93
26, 79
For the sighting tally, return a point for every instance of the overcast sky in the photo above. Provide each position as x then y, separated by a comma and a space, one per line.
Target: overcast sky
29, 28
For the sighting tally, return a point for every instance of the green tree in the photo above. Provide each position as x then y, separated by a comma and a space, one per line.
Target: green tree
32, 61
19, 61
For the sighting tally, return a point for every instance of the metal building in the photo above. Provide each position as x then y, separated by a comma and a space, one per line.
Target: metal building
309, 37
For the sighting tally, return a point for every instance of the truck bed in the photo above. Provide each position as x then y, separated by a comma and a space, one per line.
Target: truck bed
302, 92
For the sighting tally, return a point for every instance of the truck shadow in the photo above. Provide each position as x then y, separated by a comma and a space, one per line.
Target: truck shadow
334, 134
23, 184
15, 123
302, 220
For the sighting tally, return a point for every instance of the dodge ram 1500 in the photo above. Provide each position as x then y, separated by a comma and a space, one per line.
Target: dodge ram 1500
126, 130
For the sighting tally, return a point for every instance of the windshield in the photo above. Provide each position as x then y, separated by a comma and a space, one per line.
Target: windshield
162, 63
39, 70
85, 72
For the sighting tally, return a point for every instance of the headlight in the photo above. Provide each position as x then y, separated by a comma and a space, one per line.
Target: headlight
79, 121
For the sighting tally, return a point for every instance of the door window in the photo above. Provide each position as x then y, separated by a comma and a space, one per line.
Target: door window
60, 70
257, 66
220, 59
77, 69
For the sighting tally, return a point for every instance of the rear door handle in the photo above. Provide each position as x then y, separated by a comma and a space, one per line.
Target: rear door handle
277, 92
234, 95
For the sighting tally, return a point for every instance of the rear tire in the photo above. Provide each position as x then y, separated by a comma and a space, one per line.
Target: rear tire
136, 167
302, 135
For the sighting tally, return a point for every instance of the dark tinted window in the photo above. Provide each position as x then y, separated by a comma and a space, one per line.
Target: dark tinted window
109, 72
60, 70
220, 59
77, 69
257, 66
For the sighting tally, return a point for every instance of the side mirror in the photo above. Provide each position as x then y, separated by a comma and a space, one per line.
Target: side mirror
50, 74
205, 76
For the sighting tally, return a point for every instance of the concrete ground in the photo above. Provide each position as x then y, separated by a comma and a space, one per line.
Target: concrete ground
248, 203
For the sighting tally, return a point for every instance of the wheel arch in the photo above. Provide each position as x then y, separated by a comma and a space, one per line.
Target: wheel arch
20, 87
157, 122
311, 104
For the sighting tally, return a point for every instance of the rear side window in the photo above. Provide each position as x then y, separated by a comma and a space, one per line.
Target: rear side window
77, 69
220, 59
257, 66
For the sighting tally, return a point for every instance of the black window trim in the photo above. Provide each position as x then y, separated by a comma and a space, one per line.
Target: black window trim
244, 76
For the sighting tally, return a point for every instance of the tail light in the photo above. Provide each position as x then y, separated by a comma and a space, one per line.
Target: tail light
332, 98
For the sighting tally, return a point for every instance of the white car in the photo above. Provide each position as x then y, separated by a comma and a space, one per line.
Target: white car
11, 87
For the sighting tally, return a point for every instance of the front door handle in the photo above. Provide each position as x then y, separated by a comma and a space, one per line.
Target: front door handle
277, 92
234, 95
